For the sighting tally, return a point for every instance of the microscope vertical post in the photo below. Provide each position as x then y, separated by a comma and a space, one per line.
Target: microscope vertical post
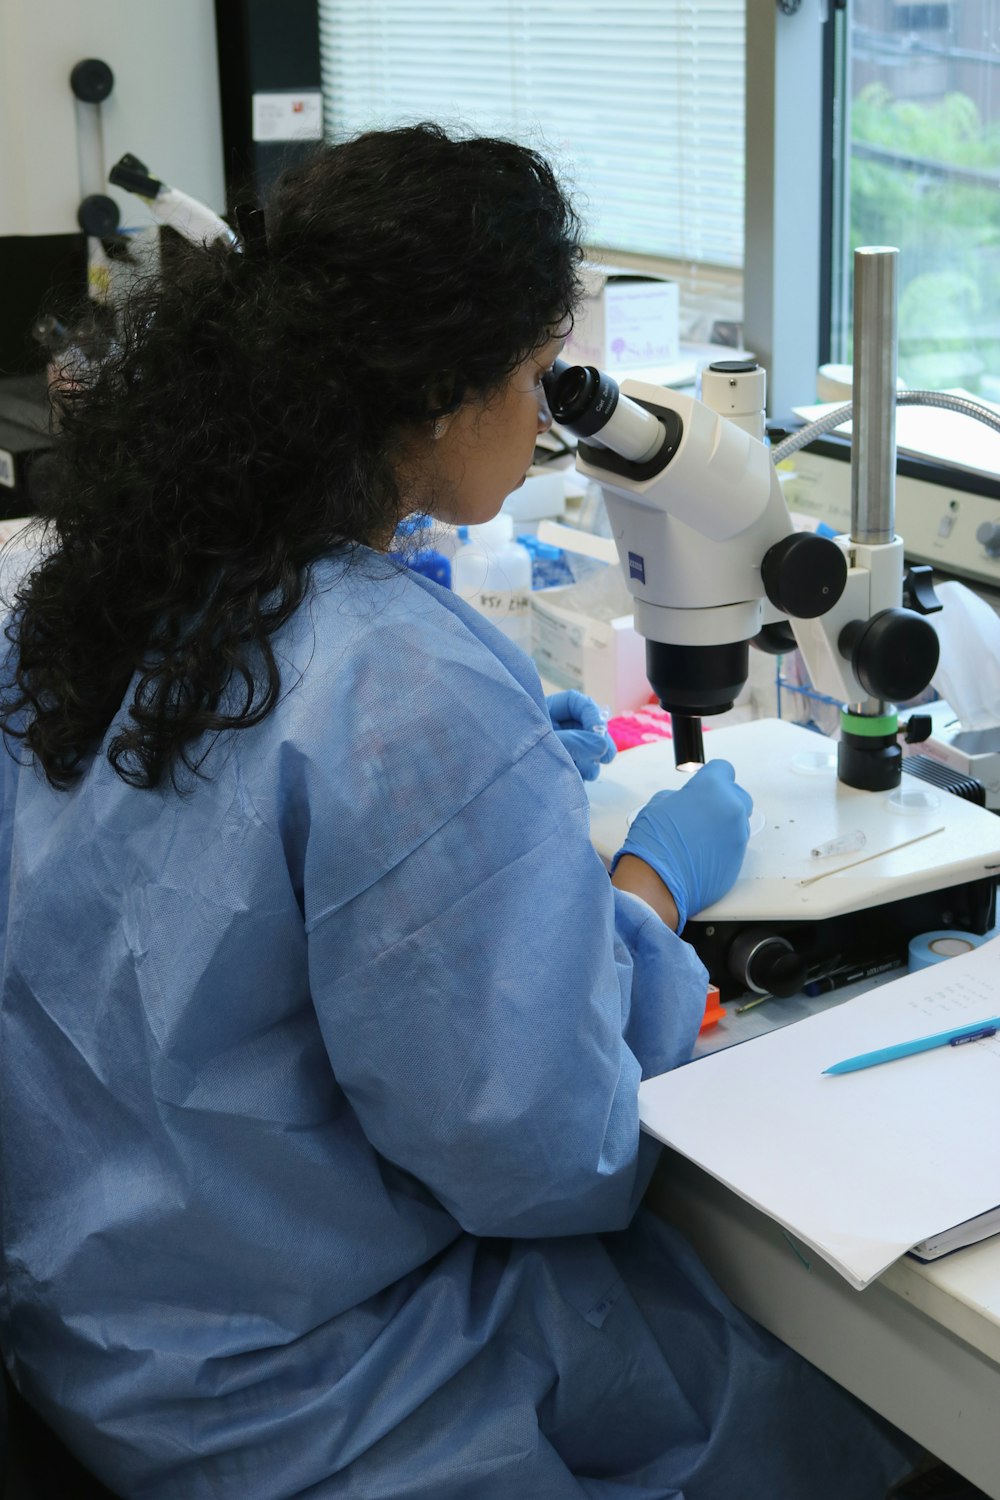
869, 756
873, 466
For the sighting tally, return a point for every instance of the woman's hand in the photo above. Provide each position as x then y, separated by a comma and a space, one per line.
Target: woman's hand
579, 723
694, 839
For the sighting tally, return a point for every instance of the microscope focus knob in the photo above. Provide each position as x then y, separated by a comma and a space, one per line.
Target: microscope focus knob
893, 655
98, 215
804, 575
764, 961
92, 80
988, 537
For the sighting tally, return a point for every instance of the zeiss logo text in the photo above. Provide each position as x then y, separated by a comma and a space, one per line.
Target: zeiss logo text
636, 567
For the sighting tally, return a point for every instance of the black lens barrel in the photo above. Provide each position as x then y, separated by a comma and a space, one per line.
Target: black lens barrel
580, 397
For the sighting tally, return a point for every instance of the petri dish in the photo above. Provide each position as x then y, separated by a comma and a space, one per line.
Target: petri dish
814, 762
912, 802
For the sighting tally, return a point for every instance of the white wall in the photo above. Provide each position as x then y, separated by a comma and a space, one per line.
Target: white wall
164, 107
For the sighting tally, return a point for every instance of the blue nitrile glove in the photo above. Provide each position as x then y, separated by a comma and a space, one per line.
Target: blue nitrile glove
579, 723
694, 839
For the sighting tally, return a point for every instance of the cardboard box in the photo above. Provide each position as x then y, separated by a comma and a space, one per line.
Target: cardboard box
604, 658
625, 322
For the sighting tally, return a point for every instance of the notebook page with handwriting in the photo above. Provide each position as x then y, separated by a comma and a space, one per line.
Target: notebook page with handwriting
860, 1166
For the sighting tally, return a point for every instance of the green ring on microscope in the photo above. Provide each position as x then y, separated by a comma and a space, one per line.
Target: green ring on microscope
873, 725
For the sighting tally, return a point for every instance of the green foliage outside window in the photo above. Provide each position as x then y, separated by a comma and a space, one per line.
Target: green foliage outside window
918, 190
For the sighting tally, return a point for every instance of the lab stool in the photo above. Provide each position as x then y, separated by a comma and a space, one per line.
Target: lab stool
38, 1466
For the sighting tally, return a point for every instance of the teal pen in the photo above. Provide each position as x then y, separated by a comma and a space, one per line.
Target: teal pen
972, 1033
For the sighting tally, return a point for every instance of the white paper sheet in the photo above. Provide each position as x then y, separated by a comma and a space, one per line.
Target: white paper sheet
859, 1166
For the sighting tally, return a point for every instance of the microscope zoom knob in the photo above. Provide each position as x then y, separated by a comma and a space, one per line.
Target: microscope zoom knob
988, 537
804, 575
893, 655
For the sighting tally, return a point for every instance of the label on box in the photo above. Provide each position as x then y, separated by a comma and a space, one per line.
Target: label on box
628, 324
604, 658
288, 117
7, 469
557, 646
641, 323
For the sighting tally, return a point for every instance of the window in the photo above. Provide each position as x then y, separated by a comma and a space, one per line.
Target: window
919, 85
640, 106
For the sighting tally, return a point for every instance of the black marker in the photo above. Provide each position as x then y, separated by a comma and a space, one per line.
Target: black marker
853, 974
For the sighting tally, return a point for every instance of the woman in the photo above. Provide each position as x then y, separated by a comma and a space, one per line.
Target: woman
323, 1024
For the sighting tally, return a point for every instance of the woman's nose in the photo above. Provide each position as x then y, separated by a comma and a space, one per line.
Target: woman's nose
544, 416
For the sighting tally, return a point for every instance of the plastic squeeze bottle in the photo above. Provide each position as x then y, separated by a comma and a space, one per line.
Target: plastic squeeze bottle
492, 572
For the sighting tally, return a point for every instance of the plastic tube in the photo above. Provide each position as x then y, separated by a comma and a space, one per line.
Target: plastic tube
845, 844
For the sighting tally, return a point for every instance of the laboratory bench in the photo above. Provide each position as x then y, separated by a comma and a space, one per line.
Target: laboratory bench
920, 1345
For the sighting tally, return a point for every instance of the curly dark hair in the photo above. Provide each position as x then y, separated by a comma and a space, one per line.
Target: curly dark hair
245, 424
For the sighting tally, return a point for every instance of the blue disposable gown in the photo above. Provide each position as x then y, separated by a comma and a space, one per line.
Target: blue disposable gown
319, 1113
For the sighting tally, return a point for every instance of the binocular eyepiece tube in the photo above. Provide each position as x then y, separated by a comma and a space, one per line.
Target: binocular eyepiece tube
589, 403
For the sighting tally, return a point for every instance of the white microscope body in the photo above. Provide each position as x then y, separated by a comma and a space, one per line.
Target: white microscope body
693, 540
706, 543
713, 563
692, 536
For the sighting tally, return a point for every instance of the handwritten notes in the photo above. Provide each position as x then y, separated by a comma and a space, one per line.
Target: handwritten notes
865, 1165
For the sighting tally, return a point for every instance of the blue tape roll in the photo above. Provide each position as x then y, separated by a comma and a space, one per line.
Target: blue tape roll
934, 947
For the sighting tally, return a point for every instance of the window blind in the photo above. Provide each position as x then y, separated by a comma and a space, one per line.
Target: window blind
639, 104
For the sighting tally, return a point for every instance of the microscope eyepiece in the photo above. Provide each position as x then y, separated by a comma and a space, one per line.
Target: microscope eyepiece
589, 403
580, 397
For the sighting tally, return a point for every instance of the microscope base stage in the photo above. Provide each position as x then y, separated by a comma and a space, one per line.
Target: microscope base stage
863, 909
